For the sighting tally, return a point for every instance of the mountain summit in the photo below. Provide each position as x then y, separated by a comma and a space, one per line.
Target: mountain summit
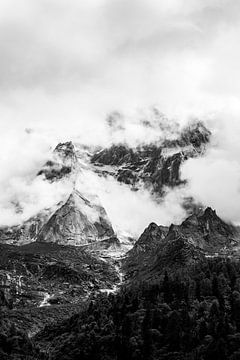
63, 163
199, 236
77, 222
155, 165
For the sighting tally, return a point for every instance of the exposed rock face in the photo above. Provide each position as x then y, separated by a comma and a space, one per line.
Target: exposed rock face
111, 243
176, 251
64, 162
70, 273
208, 231
26, 232
150, 239
198, 236
196, 134
63, 165
144, 249
154, 165
77, 222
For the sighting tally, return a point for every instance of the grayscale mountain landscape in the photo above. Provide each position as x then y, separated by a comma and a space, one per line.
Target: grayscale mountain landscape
120, 180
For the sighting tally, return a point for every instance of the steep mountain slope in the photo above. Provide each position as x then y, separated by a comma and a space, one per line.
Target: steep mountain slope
156, 165
77, 222
63, 166
59, 274
199, 236
209, 232
38, 270
63, 163
144, 249
149, 240
26, 232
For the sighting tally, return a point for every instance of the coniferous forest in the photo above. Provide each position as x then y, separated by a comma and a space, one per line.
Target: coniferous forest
192, 314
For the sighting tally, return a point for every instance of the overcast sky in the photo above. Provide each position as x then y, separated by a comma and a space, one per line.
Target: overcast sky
65, 64
72, 61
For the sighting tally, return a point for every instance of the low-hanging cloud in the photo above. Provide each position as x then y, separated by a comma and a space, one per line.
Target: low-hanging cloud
131, 211
23, 194
214, 179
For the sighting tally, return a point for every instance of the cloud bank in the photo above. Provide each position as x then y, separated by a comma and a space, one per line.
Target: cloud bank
65, 65
214, 180
130, 212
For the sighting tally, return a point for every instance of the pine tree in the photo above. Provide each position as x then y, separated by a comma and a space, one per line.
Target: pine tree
167, 295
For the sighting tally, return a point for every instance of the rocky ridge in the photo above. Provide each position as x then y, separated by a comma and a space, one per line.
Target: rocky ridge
77, 222
63, 163
155, 166
198, 237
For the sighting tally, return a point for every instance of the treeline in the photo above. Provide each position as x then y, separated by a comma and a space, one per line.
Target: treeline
188, 315
179, 316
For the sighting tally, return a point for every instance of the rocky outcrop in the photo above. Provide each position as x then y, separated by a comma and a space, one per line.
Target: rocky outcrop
179, 253
62, 164
30, 272
26, 232
200, 235
176, 251
144, 249
195, 134
207, 231
77, 222
155, 165
149, 240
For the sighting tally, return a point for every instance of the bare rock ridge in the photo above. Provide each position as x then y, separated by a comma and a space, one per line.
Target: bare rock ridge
149, 240
27, 231
156, 165
199, 236
63, 163
209, 231
77, 222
